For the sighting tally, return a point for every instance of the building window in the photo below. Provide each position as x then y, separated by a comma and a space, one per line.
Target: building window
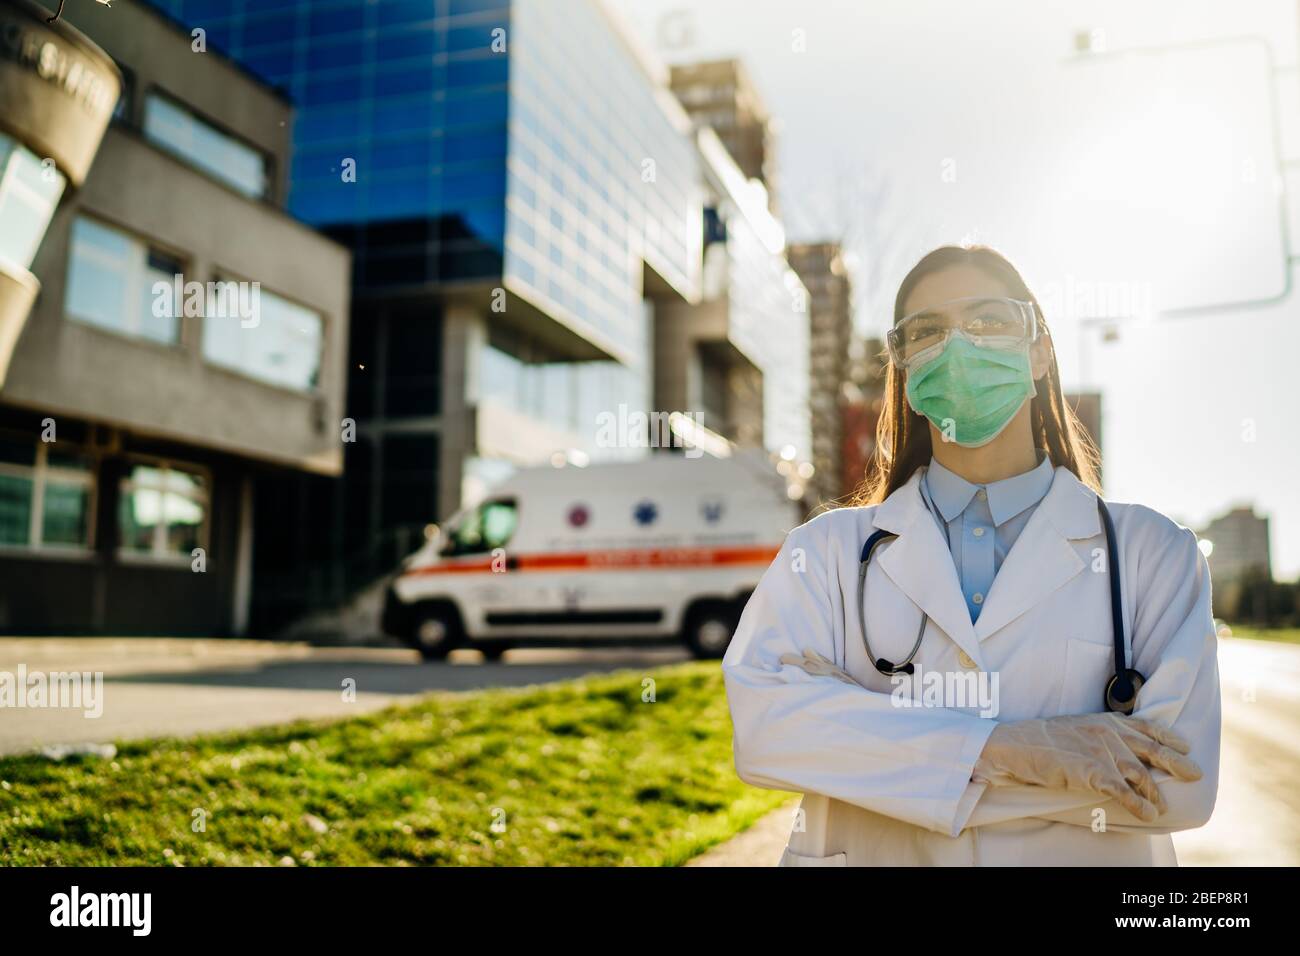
163, 511
46, 496
29, 191
180, 132
281, 345
111, 279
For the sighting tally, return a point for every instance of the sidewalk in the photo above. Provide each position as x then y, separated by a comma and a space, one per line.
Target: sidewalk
760, 845
166, 687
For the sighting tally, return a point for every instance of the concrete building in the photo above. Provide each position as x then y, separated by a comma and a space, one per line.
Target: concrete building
821, 268
1239, 543
528, 216
720, 94
739, 356
187, 346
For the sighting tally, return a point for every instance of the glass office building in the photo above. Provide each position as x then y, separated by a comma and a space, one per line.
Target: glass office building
514, 142
521, 193
407, 94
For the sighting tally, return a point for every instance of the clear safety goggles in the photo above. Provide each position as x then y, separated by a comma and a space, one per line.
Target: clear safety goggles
995, 323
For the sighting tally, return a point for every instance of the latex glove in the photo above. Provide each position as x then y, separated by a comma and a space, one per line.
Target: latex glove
1108, 754
815, 663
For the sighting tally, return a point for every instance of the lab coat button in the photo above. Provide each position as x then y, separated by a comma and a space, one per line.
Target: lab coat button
965, 659
978, 532
977, 597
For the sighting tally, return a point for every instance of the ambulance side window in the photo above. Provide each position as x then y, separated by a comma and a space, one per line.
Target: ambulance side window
486, 528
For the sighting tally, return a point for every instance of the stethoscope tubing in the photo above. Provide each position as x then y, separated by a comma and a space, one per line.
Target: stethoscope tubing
1121, 689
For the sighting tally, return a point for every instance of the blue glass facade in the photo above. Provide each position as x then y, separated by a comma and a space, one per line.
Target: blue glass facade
414, 93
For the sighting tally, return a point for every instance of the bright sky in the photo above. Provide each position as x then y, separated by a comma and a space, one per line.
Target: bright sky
1121, 185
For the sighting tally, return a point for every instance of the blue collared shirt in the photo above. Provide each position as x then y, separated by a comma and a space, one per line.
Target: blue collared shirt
984, 520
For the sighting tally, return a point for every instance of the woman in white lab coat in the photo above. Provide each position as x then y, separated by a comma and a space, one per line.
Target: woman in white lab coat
1009, 755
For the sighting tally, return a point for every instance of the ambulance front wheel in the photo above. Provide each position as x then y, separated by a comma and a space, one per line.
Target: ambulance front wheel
709, 627
436, 631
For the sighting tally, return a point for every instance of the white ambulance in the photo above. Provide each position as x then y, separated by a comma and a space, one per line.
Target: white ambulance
666, 547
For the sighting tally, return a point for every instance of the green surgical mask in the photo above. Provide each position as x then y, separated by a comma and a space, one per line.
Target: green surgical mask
970, 392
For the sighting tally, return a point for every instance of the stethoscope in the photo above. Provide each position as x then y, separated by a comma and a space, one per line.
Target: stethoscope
1122, 688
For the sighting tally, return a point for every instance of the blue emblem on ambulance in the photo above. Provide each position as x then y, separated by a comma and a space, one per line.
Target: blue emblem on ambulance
711, 510
645, 513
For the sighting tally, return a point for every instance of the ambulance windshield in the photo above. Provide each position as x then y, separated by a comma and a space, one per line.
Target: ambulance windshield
482, 529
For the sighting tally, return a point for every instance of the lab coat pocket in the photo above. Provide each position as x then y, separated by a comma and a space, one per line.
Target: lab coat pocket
790, 858
1088, 666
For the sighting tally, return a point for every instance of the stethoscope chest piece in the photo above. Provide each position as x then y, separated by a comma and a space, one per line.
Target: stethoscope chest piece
1123, 704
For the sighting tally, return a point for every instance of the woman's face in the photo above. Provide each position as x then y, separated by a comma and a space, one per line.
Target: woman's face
964, 281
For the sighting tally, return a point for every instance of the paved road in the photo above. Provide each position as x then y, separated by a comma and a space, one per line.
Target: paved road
1256, 821
157, 687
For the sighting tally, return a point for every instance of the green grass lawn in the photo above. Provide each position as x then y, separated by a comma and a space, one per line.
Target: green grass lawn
1288, 635
577, 773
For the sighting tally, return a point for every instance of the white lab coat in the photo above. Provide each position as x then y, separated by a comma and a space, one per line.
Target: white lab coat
890, 785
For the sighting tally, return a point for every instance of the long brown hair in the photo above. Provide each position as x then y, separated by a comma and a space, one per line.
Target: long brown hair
903, 436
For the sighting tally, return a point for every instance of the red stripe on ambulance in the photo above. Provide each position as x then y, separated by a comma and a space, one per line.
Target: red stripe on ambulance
613, 560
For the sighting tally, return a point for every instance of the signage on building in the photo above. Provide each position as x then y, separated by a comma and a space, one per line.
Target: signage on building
57, 88
34, 48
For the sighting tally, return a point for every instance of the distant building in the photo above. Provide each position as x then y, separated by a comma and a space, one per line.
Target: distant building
821, 268
860, 415
863, 399
1239, 543
739, 356
138, 427
719, 94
